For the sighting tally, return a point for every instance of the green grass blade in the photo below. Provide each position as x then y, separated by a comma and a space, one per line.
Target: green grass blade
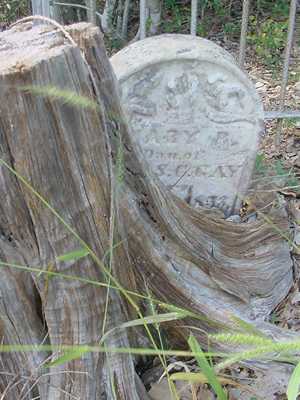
193, 377
162, 358
206, 368
73, 255
247, 327
26, 348
64, 95
261, 352
152, 319
75, 353
199, 377
294, 382
242, 339
40, 271
173, 390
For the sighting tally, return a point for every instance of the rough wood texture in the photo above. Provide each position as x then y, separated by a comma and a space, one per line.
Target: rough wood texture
62, 152
190, 258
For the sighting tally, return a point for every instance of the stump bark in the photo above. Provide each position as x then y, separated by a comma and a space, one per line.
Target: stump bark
83, 162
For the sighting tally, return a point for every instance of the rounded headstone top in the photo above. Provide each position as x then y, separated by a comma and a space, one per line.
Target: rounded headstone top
195, 114
169, 47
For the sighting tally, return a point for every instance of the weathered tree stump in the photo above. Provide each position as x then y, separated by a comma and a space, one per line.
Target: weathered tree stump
71, 156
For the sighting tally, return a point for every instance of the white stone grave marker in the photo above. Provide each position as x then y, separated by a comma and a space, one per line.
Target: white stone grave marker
195, 115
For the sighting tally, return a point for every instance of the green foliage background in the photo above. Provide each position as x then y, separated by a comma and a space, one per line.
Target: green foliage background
11, 10
217, 18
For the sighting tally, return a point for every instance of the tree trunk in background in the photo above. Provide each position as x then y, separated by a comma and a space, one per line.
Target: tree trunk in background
154, 7
41, 7
91, 13
71, 156
244, 29
107, 16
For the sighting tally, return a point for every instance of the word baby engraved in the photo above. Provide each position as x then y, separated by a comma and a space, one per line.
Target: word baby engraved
194, 114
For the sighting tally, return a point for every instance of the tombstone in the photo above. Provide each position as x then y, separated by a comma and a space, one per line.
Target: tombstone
195, 115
